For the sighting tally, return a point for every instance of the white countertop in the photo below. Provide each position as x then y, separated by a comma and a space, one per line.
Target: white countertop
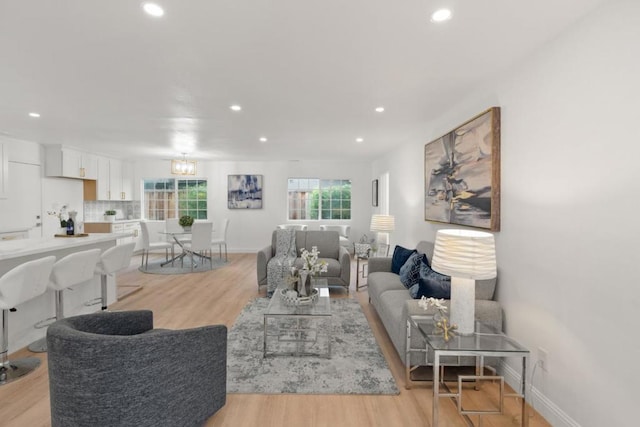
117, 221
23, 247
14, 229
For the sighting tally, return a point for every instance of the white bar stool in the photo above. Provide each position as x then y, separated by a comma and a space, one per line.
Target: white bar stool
69, 271
17, 286
111, 261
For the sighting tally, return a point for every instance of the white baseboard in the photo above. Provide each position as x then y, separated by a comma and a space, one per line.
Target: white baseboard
545, 407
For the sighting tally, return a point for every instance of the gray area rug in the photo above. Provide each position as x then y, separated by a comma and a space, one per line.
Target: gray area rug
356, 365
156, 268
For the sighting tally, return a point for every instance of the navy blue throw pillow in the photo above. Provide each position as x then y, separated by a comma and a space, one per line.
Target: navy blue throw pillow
433, 284
400, 257
410, 271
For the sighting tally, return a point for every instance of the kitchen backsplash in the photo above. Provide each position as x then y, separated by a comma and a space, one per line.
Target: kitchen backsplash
94, 210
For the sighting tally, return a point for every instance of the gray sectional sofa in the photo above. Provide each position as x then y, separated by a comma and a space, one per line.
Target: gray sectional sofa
328, 244
394, 304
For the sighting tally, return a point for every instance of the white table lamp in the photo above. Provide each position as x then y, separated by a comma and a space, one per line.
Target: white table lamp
466, 256
383, 224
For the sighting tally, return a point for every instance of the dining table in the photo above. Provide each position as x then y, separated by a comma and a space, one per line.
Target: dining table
180, 238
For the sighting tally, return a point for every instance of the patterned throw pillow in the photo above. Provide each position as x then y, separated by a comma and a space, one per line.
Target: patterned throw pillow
432, 284
410, 271
400, 257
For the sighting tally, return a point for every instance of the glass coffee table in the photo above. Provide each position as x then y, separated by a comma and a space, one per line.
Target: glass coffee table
485, 342
301, 330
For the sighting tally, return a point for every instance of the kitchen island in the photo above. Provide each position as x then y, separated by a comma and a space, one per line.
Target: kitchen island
16, 252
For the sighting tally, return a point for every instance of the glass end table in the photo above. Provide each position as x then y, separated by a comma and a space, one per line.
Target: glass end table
484, 342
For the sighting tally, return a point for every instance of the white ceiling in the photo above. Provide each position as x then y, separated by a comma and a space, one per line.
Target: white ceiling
106, 77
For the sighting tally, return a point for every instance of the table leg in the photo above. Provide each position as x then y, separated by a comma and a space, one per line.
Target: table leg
524, 412
436, 388
407, 358
264, 343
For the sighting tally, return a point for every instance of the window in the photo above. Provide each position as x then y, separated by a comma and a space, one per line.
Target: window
172, 198
313, 198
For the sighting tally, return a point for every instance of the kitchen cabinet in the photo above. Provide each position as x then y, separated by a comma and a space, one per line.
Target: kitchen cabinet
4, 171
66, 162
114, 180
127, 227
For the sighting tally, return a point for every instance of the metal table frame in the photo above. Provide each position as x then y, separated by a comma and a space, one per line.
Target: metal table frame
479, 353
185, 252
364, 260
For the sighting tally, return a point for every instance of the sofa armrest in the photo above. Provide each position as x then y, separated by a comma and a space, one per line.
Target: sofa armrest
379, 264
345, 265
264, 255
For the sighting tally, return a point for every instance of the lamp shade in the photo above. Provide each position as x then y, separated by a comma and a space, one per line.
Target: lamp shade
466, 254
383, 223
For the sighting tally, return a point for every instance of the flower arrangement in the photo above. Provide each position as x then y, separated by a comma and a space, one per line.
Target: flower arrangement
311, 263
442, 321
186, 221
62, 215
425, 303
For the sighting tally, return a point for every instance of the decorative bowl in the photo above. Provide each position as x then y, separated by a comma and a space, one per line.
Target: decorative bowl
291, 298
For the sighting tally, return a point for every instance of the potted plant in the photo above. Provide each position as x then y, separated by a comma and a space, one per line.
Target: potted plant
110, 215
186, 222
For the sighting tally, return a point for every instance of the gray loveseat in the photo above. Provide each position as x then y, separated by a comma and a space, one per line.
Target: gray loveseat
328, 244
394, 304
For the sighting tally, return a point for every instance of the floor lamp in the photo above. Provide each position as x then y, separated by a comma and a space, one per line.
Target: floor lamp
383, 225
466, 256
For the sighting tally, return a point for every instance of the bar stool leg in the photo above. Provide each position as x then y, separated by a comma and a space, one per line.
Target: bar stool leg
40, 346
11, 370
103, 290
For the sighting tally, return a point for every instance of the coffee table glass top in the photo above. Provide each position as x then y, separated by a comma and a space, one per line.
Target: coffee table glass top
322, 307
484, 339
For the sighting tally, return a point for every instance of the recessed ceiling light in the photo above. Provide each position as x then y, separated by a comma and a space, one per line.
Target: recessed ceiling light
153, 9
36, 115
441, 15
379, 109
359, 139
263, 139
236, 107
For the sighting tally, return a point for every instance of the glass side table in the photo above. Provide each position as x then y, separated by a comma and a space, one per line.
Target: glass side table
485, 342
295, 328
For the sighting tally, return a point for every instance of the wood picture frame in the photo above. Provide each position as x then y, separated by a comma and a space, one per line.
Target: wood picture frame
462, 174
374, 193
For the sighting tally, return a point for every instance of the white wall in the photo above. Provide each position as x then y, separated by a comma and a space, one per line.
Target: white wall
567, 250
250, 229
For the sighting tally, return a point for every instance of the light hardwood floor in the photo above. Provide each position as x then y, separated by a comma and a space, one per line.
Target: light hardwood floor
217, 297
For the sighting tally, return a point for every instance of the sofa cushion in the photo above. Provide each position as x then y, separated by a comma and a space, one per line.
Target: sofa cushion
382, 281
333, 266
432, 284
399, 258
327, 242
410, 271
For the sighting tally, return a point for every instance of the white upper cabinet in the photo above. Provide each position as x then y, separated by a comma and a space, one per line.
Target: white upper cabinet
127, 181
102, 183
4, 171
68, 162
114, 182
